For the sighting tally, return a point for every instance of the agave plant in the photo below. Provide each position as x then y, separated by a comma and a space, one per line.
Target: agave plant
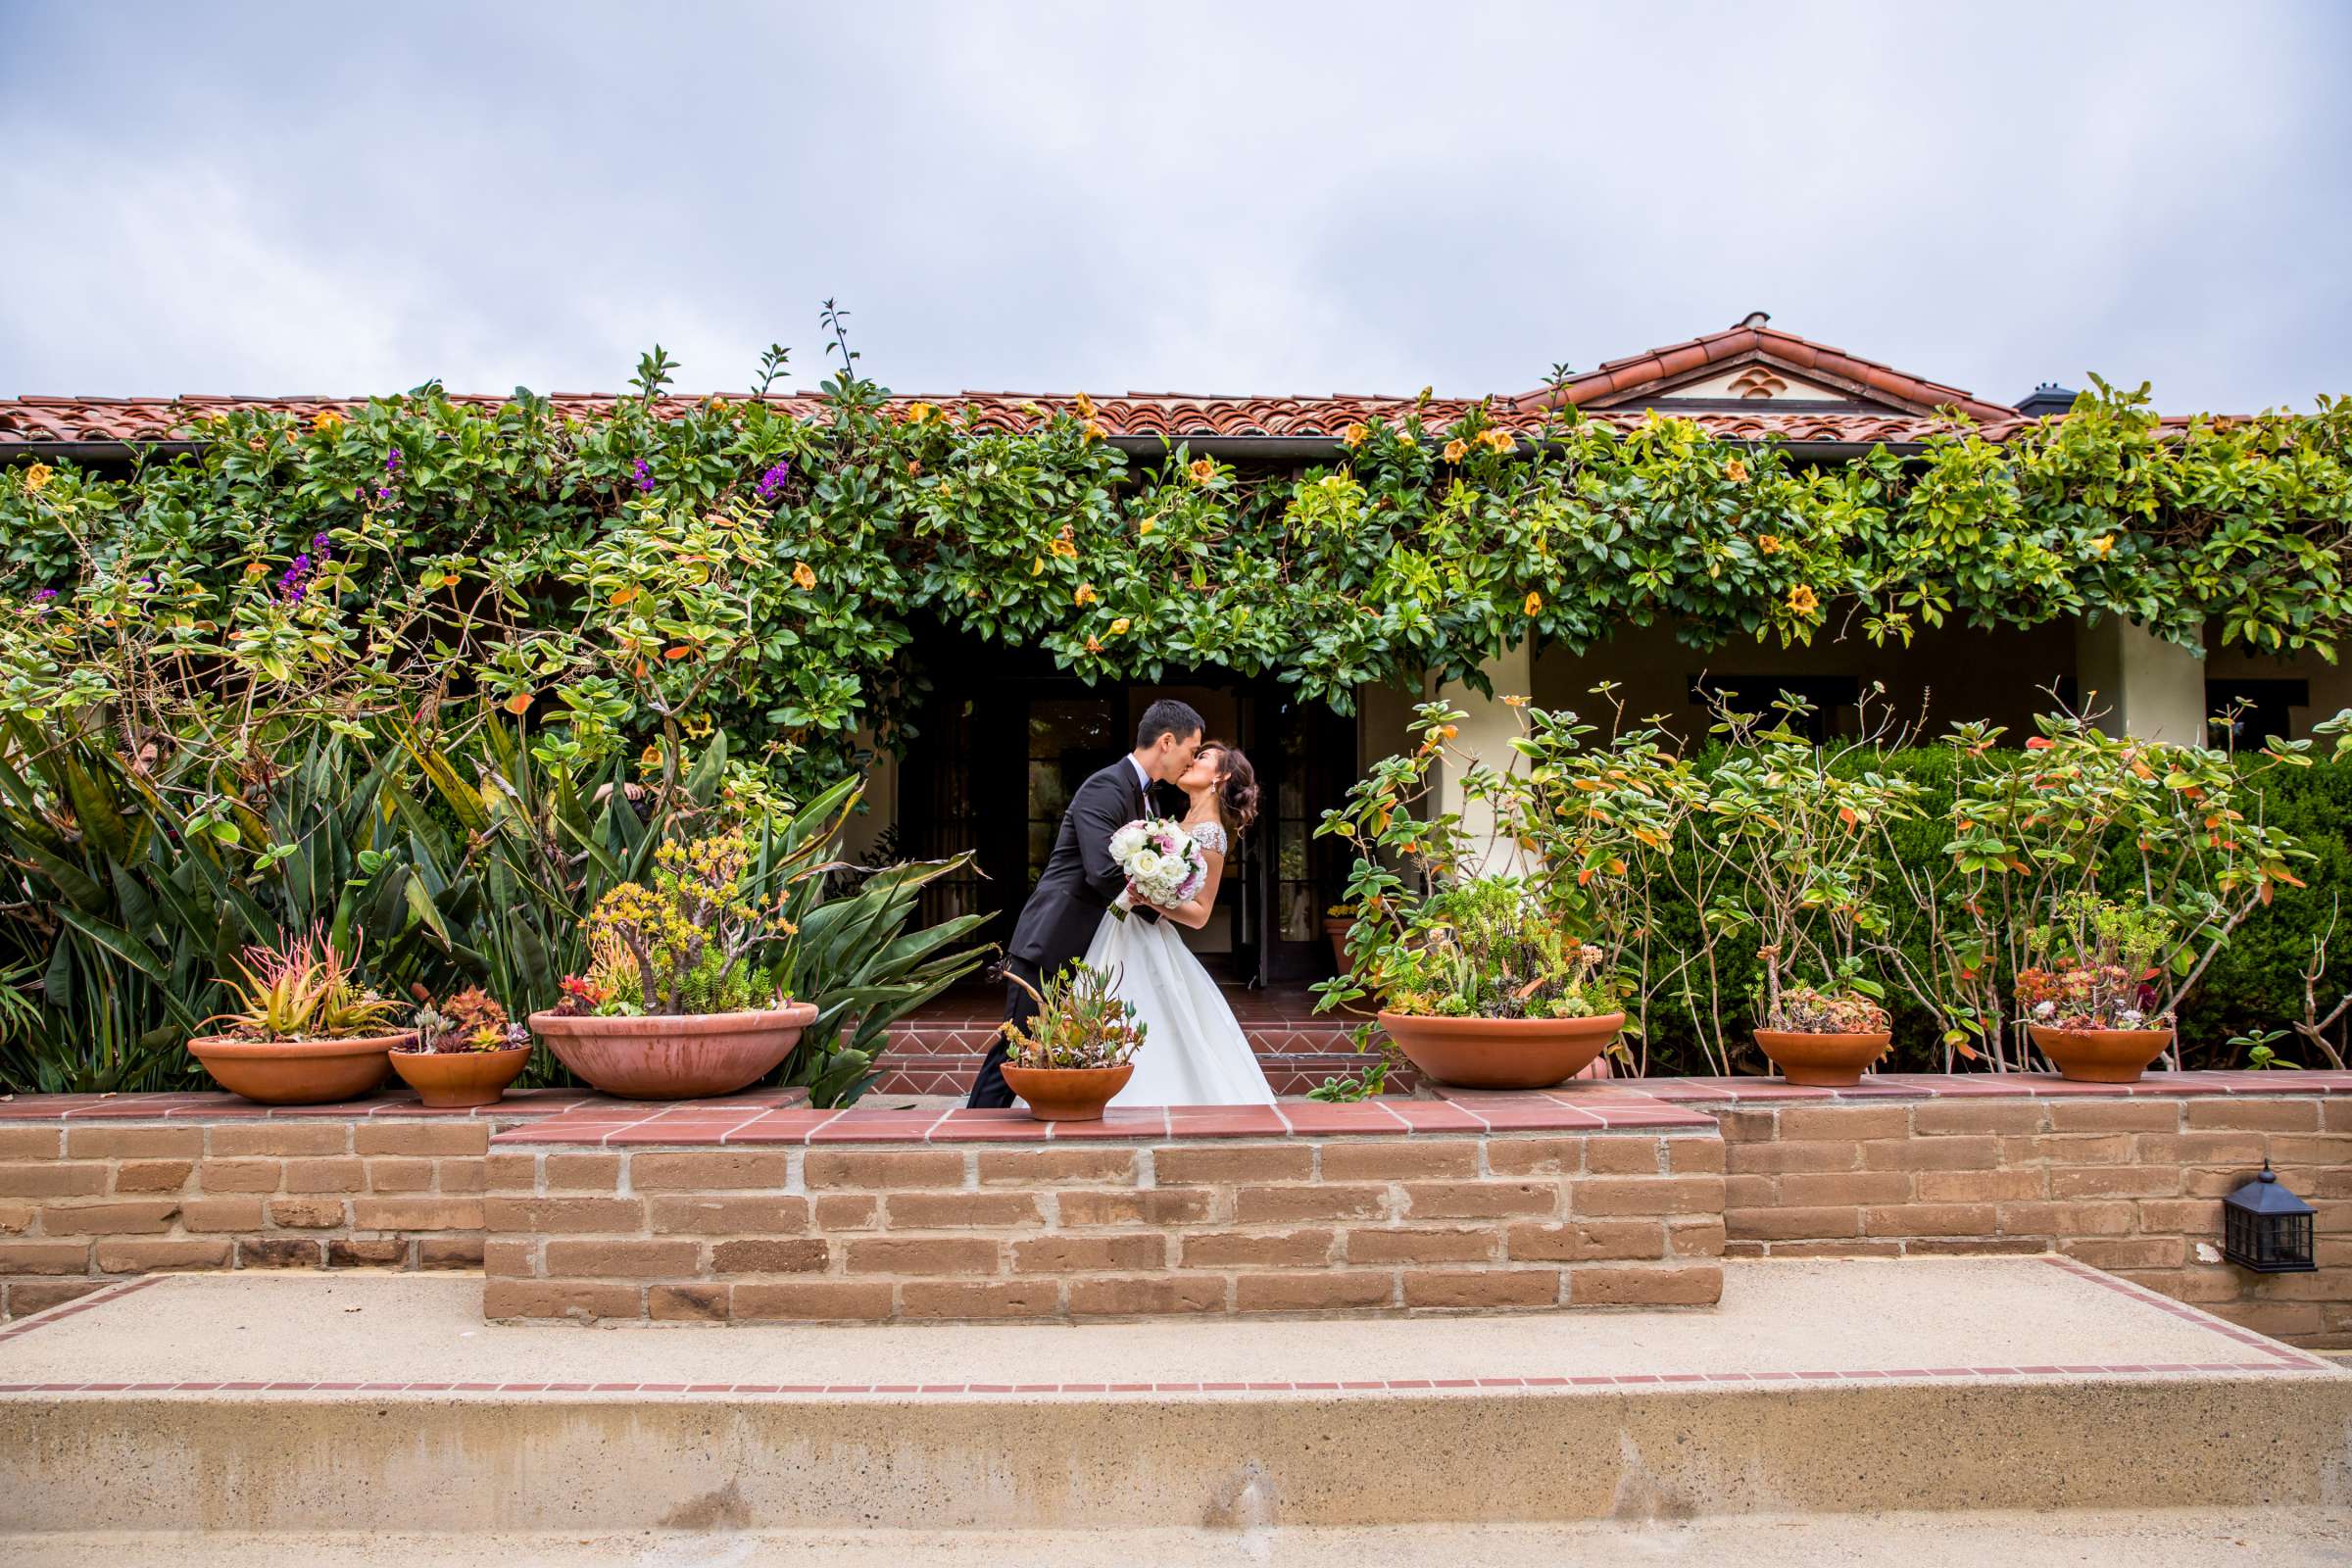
304, 989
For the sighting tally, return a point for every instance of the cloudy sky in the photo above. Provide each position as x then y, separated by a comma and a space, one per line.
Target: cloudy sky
1253, 198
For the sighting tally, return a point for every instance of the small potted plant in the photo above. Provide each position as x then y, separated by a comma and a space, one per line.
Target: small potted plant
679, 1002
1078, 1051
1338, 921
1824, 1038
304, 1030
467, 1051
2093, 1004
1484, 989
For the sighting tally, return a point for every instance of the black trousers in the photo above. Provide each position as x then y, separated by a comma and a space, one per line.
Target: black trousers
990, 1090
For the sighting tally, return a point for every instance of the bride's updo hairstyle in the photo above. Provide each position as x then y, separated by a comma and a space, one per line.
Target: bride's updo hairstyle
1236, 788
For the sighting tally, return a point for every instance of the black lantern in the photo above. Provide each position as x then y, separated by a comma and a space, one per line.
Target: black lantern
2267, 1227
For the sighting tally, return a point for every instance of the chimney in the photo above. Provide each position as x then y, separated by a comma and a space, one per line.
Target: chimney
2049, 398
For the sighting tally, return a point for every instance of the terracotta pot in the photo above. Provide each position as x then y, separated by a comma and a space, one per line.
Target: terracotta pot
1337, 927
1067, 1094
449, 1079
1822, 1061
1501, 1052
675, 1058
298, 1072
2101, 1056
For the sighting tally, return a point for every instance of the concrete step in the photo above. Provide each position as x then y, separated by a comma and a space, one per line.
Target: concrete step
247, 1403
2177, 1538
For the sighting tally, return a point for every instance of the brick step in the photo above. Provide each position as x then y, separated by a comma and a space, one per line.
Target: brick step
1821, 1387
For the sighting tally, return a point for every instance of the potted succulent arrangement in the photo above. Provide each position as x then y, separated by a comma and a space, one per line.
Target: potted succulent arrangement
686, 993
1078, 1051
1486, 935
304, 1030
1824, 1039
2093, 1004
465, 1052
1487, 990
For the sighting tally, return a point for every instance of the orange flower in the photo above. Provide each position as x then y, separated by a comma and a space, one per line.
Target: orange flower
1204, 469
1534, 603
254, 568
1456, 450
1803, 600
804, 576
1084, 594
1353, 437
1064, 546
1769, 543
1496, 441
1736, 471
326, 420
1093, 644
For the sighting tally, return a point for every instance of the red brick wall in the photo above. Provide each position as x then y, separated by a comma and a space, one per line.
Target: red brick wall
86, 1203
2128, 1185
1106, 1229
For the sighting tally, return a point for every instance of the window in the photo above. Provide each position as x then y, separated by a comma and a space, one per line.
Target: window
1831, 695
2254, 711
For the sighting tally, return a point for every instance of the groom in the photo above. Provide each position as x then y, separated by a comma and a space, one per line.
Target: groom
1081, 879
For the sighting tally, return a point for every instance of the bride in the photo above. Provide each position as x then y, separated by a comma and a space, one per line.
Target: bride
1194, 1052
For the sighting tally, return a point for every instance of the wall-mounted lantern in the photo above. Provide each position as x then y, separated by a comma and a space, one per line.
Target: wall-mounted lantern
2267, 1227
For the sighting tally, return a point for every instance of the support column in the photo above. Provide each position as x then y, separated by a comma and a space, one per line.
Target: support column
2138, 684
1486, 732
865, 830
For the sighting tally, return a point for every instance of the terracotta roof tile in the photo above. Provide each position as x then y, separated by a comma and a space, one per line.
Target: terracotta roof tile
1176, 415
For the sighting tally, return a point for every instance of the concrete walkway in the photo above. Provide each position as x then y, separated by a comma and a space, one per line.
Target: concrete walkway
1912, 1318
2183, 1537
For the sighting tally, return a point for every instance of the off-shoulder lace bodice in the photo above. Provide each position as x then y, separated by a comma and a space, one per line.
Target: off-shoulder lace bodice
1211, 836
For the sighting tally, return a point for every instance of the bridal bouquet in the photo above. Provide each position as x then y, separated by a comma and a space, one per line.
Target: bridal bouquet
1162, 861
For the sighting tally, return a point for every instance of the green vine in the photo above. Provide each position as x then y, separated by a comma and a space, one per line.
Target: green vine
631, 575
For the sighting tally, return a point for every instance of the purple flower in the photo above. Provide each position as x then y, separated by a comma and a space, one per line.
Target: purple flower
383, 495
645, 476
771, 483
319, 542
359, 493
44, 596
392, 460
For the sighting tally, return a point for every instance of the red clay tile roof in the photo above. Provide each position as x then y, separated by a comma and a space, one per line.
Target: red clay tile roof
1908, 415
1622, 378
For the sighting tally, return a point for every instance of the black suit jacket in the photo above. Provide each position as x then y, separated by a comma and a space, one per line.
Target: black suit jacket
1080, 878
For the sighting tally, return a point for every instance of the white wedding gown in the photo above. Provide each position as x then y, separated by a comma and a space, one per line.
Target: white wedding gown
1193, 1052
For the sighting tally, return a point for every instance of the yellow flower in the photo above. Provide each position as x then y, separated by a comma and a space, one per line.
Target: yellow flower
1093, 431
1802, 600
1085, 407
802, 575
1456, 450
1353, 437
1147, 525
2102, 544
1204, 469
1037, 567
36, 477
1064, 546
1512, 702
921, 412
1769, 543
1404, 438
1736, 471
326, 420
1085, 594
1534, 603
1118, 627
1496, 441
